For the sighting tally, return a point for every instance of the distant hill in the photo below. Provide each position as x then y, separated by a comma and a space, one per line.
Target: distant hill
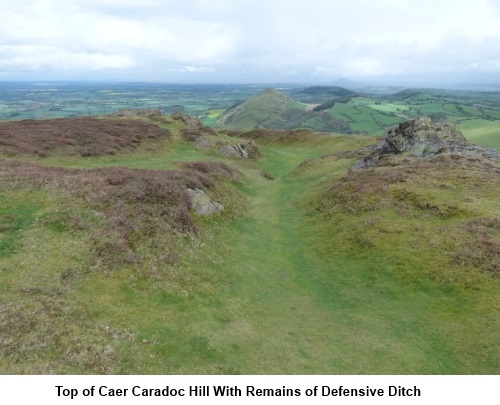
272, 109
344, 111
349, 84
320, 94
403, 94
256, 111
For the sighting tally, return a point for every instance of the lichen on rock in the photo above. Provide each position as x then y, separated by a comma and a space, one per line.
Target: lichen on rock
247, 149
202, 204
420, 137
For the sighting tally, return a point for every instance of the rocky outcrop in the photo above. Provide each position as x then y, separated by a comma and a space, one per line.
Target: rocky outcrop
421, 137
247, 149
206, 138
148, 113
199, 135
186, 119
202, 143
202, 204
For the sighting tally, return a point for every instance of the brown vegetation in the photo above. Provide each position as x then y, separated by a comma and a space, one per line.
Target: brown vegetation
125, 218
39, 320
186, 119
136, 204
370, 189
192, 134
482, 249
218, 170
85, 136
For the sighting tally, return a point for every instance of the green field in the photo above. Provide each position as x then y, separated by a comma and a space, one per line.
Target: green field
241, 107
282, 282
481, 132
364, 116
210, 117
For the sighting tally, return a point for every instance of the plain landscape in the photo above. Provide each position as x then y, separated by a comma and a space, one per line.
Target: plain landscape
248, 229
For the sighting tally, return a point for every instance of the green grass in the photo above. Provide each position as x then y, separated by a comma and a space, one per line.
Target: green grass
345, 112
365, 116
398, 259
255, 111
481, 132
430, 108
289, 303
421, 97
211, 117
164, 157
388, 107
295, 104
13, 220
156, 154
451, 109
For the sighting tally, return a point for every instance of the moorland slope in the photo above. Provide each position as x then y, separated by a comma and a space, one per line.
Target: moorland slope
312, 266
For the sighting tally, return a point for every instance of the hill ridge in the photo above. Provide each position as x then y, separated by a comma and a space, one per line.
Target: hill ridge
254, 111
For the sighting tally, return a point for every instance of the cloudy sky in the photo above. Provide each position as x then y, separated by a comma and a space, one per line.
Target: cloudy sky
247, 41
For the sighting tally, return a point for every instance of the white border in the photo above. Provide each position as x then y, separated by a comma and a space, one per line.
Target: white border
434, 389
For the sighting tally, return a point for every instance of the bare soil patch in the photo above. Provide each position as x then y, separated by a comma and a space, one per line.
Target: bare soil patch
311, 107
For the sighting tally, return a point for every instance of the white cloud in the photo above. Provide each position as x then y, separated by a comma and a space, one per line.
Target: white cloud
198, 69
323, 71
190, 69
219, 38
289, 73
40, 57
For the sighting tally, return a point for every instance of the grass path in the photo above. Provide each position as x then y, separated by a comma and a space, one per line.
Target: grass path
270, 320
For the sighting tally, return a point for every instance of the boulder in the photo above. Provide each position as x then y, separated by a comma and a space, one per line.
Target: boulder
199, 135
247, 149
420, 137
202, 204
186, 119
202, 143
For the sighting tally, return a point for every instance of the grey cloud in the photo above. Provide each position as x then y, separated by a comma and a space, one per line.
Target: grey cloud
215, 39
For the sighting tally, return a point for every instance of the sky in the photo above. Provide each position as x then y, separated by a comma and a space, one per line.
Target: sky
250, 41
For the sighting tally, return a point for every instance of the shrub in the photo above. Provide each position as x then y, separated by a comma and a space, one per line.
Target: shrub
218, 170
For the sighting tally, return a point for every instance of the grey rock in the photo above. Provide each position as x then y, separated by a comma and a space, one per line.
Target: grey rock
202, 143
186, 119
229, 150
420, 137
202, 204
150, 113
247, 149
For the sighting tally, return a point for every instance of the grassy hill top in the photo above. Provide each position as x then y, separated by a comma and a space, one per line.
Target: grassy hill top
106, 268
320, 94
272, 109
255, 111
